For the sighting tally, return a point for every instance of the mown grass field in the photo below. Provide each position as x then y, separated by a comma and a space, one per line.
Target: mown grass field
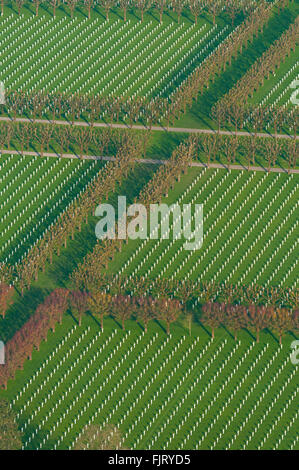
277, 89
129, 58
95, 56
250, 231
58, 273
199, 114
182, 391
177, 392
36, 191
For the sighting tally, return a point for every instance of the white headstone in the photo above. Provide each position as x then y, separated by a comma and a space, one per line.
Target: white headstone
2, 93
2, 353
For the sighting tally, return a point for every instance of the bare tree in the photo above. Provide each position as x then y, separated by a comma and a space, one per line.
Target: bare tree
89, 5
196, 7
143, 6
72, 6
20, 3
178, 6
160, 5
107, 5
37, 4
124, 5
53, 4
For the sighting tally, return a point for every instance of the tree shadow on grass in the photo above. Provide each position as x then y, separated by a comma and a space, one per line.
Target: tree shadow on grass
161, 326
21, 310
293, 334
228, 332
94, 318
140, 326
164, 145
118, 324
205, 329
70, 313
250, 334
201, 109
269, 332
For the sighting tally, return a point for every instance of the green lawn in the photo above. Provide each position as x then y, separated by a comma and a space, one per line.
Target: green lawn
95, 56
177, 392
250, 232
57, 274
199, 115
182, 391
36, 191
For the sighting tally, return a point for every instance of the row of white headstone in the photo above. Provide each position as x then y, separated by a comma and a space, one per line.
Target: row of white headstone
58, 367
52, 412
23, 217
269, 386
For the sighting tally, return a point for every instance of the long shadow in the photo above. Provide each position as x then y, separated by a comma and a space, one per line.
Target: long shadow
226, 80
204, 328
70, 313
116, 13
94, 319
141, 327
269, 332
228, 332
22, 309
118, 324
250, 334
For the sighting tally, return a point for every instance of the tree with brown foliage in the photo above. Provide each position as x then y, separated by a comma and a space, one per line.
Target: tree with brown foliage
107, 5
20, 4
258, 319
6, 294
122, 308
89, 4
72, 6
99, 303
10, 435
145, 308
168, 310
196, 7
212, 316
124, 5
95, 438
143, 6
78, 303
281, 321
235, 318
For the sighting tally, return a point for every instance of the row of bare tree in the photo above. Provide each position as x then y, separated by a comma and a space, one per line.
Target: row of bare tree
236, 148
188, 292
252, 317
158, 187
255, 77
144, 309
237, 115
214, 7
39, 104
71, 220
43, 138
132, 110
87, 140
216, 62
191, 292
51, 312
